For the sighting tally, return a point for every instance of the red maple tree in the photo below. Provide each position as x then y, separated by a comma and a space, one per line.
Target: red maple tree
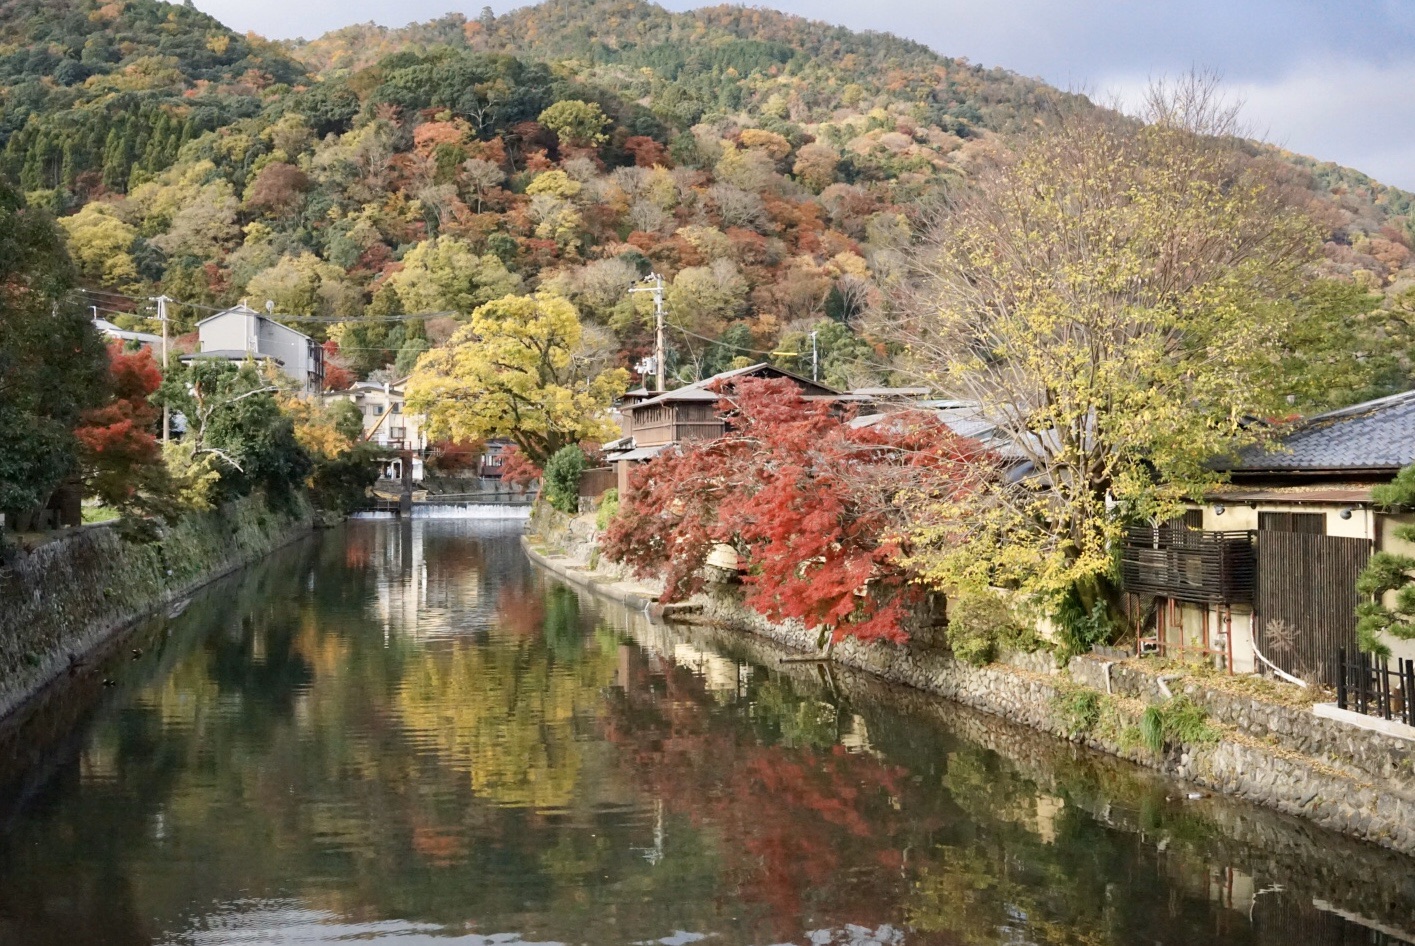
118, 443
336, 376
516, 468
814, 506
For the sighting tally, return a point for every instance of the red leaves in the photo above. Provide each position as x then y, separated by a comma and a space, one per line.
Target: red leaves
118, 440
817, 509
336, 376
516, 468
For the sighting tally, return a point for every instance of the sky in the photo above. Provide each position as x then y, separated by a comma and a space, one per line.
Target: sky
1329, 78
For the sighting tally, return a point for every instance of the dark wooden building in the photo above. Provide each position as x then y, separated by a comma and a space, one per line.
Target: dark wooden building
1261, 575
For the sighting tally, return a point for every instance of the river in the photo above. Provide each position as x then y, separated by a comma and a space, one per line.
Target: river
403, 733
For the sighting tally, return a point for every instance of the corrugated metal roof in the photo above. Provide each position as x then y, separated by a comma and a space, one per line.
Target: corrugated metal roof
1375, 435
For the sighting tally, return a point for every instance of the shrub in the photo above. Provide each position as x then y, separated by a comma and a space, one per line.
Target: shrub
608, 508
1180, 721
979, 623
562, 478
341, 484
1079, 629
1079, 709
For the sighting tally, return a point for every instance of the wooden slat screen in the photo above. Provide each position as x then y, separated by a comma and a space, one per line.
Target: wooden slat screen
1311, 523
1307, 585
594, 482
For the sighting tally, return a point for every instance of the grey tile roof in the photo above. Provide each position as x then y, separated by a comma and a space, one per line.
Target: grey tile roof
699, 390
1376, 435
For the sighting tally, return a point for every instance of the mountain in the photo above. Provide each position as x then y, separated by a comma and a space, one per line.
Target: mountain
769, 166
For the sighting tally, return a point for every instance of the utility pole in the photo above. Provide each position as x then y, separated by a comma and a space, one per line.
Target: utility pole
656, 288
815, 359
166, 411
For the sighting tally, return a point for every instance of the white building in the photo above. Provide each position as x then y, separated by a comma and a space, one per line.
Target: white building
387, 423
242, 332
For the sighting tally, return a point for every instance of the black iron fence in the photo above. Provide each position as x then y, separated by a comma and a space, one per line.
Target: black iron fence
1370, 687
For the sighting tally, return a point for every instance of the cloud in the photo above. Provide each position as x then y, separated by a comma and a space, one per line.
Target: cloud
1359, 114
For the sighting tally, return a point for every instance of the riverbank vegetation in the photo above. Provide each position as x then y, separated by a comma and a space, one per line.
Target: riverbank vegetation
468, 202
814, 510
85, 416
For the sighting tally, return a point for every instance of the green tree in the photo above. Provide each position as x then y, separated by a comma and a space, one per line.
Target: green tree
1386, 580
232, 415
576, 123
102, 245
523, 369
445, 275
53, 364
562, 478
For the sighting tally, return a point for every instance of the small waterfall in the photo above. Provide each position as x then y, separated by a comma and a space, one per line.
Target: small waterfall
505, 511
470, 511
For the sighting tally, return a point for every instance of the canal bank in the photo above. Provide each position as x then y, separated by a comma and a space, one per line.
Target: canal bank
1356, 781
405, 732
64, 600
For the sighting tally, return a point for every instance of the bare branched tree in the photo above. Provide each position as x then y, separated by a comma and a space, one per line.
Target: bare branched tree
1112, 294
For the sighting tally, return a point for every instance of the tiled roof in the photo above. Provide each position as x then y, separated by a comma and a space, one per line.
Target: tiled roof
1376, 435
698, 390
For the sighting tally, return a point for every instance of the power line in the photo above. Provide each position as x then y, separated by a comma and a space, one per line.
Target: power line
325, 319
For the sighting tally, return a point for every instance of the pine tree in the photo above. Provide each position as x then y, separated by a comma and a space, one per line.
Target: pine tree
1386, 573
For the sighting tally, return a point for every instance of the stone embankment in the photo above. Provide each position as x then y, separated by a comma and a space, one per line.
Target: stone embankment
1352, 780
63, 599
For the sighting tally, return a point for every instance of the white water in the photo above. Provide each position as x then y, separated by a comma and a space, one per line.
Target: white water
459, 511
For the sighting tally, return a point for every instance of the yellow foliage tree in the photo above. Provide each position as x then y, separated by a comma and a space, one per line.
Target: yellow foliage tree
522, 369
102, 245
1115, 297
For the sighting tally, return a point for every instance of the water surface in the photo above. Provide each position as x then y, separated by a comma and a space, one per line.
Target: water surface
401, 733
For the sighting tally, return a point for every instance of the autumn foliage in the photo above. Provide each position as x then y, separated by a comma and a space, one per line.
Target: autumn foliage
517, 469
118, 442
817, 509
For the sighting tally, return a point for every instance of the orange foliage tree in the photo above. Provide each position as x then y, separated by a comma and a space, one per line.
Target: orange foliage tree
119, 452
814, 506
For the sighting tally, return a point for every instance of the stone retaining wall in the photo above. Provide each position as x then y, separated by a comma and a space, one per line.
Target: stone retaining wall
66, 597
1351, 780
1266, 771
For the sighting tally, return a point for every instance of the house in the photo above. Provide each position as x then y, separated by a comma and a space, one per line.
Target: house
242, 332
492, 458
152, 343
1261, 575
387, 423
654, 422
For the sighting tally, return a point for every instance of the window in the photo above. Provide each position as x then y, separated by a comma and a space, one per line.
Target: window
1310, 523
397, 407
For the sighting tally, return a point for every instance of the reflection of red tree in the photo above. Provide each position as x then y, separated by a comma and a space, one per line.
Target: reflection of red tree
521, 610
796, 824
358, 549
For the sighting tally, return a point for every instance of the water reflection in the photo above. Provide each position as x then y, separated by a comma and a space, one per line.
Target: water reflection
401, 733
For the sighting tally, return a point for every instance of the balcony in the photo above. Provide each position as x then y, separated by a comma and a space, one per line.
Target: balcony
1172, 561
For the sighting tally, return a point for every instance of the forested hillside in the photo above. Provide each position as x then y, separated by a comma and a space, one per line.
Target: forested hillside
770, 167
